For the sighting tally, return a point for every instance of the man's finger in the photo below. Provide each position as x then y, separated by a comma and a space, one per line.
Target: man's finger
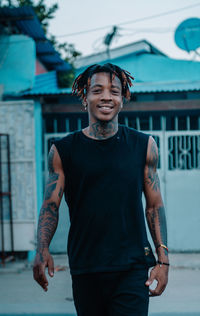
149, 282
157, 291
38, 277
51, 267
153, 293
35, 273
42, 277
42, 284
150, 279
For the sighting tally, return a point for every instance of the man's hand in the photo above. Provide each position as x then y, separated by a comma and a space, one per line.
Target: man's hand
43, 259
160, 274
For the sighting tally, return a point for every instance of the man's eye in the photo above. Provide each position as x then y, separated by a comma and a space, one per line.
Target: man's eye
96, 91
115, 91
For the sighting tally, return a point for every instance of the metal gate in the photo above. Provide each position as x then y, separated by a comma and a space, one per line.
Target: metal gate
6, 213
179, 173
182, 186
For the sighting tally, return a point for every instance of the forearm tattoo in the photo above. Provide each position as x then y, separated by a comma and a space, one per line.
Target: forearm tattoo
157, 224
47, 225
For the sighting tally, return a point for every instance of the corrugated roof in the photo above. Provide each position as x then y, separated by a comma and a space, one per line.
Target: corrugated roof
46, 84
25, 19
174, 86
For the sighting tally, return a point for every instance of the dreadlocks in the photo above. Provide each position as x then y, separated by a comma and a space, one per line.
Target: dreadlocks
82, 82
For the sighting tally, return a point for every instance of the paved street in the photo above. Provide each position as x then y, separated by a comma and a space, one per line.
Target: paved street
21, 295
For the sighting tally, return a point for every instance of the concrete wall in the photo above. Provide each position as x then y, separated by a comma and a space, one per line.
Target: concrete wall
17, 120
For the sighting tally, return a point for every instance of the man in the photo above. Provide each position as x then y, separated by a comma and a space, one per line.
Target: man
103, 170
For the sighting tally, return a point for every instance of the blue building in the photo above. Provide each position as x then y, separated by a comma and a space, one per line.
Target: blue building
165, 102
25, 55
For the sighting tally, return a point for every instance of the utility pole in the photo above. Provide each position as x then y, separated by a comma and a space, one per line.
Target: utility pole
109, 38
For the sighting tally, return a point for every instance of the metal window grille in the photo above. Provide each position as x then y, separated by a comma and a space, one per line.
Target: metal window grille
184, 152
180, 132
150, 122
5, 193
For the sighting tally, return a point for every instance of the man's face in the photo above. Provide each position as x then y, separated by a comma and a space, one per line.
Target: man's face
104, 98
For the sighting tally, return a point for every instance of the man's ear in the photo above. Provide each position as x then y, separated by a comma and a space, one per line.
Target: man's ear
84, 101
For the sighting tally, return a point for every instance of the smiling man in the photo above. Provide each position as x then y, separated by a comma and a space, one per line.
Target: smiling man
103, 171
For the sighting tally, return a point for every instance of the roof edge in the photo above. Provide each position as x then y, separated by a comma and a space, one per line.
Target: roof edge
135, 47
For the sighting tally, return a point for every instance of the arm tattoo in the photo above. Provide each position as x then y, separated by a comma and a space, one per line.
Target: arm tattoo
60, 192
155, 213
50, 161
53, 176
157, 224
48, 219
153, 179
49, 190
153, 154
47, 225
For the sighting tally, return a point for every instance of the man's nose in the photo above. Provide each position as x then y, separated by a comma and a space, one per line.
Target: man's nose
106, 95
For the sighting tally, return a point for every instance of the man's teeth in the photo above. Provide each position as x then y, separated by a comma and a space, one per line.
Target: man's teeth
106, 107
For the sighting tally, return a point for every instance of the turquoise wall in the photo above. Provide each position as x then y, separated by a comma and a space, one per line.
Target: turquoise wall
17, 56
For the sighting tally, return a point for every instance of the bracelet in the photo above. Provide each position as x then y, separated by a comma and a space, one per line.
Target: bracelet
163, 246
161, 263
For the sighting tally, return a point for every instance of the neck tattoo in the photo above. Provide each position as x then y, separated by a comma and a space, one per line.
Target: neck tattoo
102, 130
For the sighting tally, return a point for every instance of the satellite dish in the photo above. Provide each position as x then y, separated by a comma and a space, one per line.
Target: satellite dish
187, 34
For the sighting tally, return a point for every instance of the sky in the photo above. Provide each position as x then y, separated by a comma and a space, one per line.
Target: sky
83, 15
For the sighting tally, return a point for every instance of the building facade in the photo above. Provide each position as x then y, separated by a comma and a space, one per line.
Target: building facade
165, 103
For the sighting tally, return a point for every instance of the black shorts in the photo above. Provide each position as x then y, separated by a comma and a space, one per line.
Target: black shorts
121, 293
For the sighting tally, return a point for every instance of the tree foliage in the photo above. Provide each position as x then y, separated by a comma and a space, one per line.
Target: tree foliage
45, 14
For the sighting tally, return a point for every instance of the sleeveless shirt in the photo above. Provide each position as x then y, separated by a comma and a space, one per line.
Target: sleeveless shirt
103, 190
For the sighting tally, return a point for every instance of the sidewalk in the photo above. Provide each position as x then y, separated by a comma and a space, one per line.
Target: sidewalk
21, 295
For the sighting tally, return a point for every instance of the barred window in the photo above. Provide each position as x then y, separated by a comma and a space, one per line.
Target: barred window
184, 152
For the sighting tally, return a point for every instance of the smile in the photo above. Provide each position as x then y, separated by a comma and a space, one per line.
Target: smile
106, 107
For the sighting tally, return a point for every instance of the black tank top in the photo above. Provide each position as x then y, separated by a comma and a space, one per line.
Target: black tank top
103, 190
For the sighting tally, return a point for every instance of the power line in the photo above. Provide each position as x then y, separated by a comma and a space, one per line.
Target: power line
161, 14
149, 30
130, 22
